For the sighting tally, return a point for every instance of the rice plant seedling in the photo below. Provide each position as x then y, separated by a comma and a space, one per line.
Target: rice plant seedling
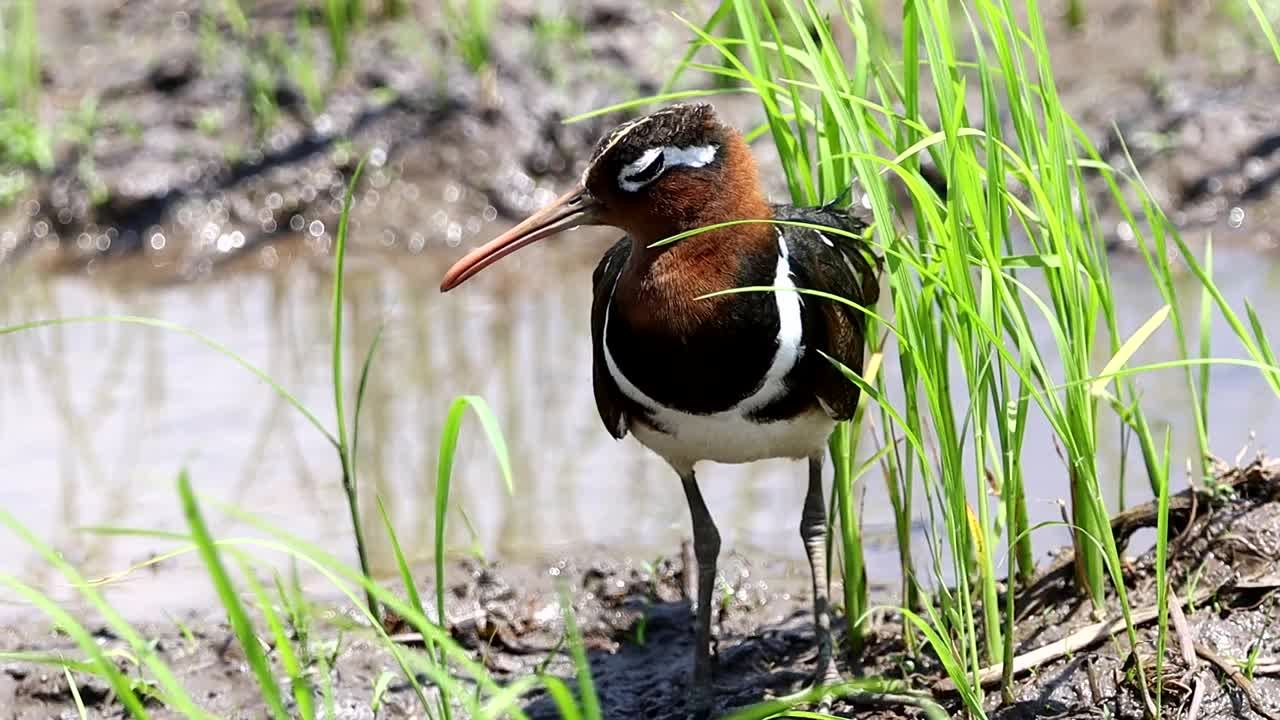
1075, 14
393, 9
24, 141
346, 457
19, 56
471, 24
339, 18
1012, 238
298, 63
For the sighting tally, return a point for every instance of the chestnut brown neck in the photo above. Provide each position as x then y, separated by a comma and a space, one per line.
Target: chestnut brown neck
686, 202
663, 284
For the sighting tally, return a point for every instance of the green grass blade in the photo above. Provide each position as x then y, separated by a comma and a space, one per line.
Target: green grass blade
411, 591
236, 614
380, 686
1265, 24
586, 686
563, 698
300, 683
1129, 348
75, 694
360, 394
1162, 569
99, 664
722, 11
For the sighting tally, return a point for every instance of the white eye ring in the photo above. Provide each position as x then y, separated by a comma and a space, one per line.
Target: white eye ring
695, 156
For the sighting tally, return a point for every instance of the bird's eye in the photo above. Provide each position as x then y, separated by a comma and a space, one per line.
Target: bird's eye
643, 171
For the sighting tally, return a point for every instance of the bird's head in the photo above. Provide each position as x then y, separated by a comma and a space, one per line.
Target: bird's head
676, 169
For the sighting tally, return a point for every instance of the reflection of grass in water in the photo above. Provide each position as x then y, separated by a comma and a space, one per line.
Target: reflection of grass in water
290, 623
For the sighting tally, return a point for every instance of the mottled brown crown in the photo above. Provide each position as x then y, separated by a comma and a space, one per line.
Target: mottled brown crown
686, 125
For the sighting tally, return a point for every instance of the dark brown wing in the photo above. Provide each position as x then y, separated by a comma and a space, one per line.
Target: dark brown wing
842, 266
610, 401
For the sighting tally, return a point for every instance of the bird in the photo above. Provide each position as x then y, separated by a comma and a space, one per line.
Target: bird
697, 374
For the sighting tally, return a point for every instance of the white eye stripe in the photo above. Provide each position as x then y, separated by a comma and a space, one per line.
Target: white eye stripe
695, 156
641, 162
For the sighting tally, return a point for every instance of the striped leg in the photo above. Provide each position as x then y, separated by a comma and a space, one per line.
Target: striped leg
813, 530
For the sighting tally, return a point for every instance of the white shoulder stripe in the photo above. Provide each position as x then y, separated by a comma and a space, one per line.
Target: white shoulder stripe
790, 335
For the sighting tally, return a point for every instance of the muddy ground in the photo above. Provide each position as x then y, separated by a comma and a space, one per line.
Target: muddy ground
160, 157
638, 629
173, 154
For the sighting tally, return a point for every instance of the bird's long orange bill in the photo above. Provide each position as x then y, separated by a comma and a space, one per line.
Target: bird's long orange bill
570, 210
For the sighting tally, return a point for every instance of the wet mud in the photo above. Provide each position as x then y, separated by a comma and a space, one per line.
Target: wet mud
637, 624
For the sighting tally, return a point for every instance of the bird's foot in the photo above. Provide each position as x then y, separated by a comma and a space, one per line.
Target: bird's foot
827, 678
700, 704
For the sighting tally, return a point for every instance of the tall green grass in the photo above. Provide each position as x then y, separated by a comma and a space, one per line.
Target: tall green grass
1012, 246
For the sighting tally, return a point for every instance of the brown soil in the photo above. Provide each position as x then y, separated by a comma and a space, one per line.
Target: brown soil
173, 150
637, 624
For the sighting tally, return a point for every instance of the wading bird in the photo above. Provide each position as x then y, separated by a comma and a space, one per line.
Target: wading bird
732, 378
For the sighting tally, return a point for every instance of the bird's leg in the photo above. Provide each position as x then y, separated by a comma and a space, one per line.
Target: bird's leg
706, 547
813, 530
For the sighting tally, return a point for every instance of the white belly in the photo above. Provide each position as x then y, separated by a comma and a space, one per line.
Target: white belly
731, 436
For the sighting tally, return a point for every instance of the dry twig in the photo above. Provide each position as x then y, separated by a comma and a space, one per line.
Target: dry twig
1187, 643
1244, 683
1085, 637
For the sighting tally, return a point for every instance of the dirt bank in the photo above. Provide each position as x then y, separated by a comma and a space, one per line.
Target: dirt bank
173, 163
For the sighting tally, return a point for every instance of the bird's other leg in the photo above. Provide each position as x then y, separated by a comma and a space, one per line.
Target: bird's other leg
813, 530
706, 548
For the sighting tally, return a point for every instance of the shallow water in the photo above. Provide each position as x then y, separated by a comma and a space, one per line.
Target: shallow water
97, 419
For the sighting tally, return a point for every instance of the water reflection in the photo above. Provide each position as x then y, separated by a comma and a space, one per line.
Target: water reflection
98, 418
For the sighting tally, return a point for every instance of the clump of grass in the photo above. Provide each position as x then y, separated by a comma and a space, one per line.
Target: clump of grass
341, 18
470, 25
962, 277
273, 60
24, 142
